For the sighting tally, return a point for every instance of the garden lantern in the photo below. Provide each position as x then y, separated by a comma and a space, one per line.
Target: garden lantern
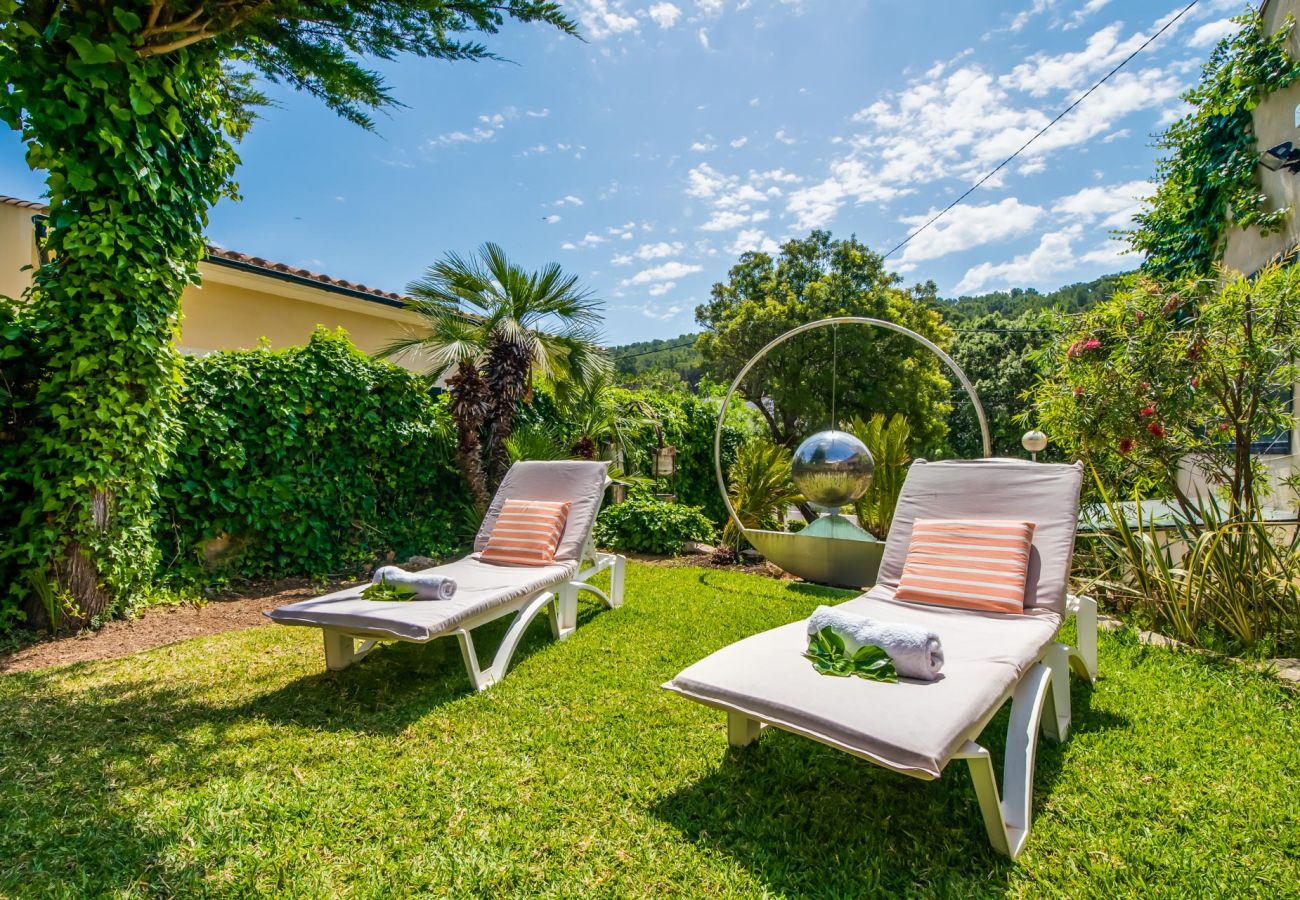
665, 457
1035, 442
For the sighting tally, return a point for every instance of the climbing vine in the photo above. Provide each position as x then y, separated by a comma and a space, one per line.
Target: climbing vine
135, 150
1208, 178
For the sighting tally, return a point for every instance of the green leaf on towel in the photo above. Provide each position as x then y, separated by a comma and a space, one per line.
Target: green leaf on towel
828, 655
390, 593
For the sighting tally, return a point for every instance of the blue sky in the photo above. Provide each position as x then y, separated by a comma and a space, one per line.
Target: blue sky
684, 132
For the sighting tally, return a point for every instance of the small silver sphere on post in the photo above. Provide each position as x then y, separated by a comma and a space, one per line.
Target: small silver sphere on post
832, 469
1035, 442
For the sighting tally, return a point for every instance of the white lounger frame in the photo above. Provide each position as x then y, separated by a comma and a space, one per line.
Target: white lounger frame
1007, 820
560, 599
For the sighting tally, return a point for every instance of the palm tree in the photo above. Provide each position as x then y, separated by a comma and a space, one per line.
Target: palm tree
498, 325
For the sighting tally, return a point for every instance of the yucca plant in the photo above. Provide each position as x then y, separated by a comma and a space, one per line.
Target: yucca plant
760, 487
887, 440
1209, 579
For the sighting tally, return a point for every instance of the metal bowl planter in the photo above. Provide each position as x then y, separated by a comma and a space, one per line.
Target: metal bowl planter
832, 549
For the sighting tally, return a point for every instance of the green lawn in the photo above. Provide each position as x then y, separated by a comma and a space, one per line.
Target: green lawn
235, 764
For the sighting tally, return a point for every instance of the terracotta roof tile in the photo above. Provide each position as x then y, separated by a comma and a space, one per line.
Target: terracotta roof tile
220, 253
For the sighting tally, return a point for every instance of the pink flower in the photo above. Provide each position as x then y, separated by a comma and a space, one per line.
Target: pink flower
1148, 411
1156, 429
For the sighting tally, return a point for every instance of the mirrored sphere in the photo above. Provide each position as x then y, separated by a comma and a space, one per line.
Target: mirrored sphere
832, 469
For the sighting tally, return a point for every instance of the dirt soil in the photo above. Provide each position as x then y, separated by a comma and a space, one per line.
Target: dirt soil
164, 625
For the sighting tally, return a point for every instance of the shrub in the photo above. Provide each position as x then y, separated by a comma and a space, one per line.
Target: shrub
1212, 581
887, 443
760, 487
646, 525
308, 461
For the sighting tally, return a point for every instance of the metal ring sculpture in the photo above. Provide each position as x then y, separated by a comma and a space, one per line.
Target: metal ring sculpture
834, 559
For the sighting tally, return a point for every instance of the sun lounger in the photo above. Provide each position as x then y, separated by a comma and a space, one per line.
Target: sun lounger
917, 728
485, 591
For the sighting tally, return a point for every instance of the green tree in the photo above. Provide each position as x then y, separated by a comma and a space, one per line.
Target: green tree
878, 371
1162, 374
132, 110
1000, 356
498, 325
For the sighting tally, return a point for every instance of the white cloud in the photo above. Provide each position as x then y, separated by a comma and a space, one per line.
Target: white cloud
783, 137
968, 226
568, 245
1083, 12
658, 290
1053, 255
551, 219
569, 200
476, 136
665, 15
591, 240
753, 239
1114, 205
739, 142
703, 35
669, 271
538, 113
1211, 33
704, 182
659, 250
662, 315
1043, 73
701, 147
725, 221
709, 7
603, 18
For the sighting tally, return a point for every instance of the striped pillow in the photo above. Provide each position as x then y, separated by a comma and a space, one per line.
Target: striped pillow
526, 533
979, 564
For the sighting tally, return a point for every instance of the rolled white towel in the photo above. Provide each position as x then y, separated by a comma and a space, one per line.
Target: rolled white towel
427, 585
916, 652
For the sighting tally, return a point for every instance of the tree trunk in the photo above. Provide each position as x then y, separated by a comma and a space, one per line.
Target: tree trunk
135, 153
470, 402
508, 369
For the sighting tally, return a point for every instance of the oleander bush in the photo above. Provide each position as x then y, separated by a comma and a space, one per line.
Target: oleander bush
307, 461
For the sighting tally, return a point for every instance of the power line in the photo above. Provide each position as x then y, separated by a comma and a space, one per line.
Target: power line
1061, 115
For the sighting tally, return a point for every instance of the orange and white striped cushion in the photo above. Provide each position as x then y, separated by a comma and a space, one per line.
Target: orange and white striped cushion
979, 564
526, 533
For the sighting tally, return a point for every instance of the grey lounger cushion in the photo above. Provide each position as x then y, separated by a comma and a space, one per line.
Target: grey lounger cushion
579, 482
480, 586
911, 726
1042, 493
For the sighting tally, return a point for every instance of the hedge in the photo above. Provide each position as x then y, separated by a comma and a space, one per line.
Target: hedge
311, 461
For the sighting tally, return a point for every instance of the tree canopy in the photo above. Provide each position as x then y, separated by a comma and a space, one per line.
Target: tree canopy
878, 371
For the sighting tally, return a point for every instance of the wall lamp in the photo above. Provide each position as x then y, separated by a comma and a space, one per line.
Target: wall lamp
1283, 156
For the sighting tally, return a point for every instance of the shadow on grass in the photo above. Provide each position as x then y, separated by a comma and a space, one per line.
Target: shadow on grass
81, 750
810, 820
398, 682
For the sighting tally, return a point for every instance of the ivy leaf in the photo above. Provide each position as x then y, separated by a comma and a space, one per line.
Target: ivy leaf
91, 53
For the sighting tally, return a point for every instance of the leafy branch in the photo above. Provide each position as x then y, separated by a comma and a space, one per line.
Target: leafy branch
829, 657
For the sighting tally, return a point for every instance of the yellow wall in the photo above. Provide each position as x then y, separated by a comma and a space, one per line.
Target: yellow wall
233, 309
17, 249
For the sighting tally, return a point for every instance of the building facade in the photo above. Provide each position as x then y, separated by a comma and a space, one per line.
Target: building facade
241, 300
